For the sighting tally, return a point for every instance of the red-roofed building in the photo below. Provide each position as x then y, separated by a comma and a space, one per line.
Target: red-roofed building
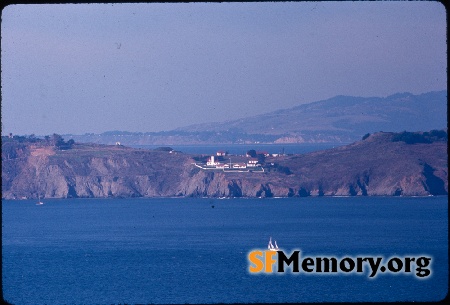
264, 153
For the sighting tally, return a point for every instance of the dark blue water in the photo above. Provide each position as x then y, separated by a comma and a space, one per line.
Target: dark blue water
241, 149
106, 251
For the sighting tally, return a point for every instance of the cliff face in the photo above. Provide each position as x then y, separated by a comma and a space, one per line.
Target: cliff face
93, 171
375, 166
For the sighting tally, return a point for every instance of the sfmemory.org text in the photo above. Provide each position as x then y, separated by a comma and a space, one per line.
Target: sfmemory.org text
265, 261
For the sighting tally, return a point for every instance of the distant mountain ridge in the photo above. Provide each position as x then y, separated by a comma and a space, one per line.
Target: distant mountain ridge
346, 115
339, 119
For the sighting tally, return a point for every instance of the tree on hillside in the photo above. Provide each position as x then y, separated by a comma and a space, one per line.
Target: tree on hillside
57, 140
32, 138
261, 158
252, 153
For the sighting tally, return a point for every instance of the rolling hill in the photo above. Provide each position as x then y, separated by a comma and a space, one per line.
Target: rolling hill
341, 119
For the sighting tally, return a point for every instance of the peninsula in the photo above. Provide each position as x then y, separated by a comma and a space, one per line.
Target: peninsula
341, 119
381, 164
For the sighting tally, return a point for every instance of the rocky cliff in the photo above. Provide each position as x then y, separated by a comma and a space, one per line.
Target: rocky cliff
374, 166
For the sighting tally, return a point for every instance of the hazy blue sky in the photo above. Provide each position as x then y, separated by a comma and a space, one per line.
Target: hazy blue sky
152, 67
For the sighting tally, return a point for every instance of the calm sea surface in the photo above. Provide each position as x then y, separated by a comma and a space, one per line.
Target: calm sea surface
111, 251
241, 149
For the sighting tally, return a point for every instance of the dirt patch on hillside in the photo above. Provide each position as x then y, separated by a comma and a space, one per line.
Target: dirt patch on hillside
42, 151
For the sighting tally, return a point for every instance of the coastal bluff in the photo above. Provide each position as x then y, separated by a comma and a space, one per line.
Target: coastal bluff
383, 164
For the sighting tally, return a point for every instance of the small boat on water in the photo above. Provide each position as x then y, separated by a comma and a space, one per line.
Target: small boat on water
39, 201
271, 247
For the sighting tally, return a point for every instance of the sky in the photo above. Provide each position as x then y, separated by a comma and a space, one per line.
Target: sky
148, 67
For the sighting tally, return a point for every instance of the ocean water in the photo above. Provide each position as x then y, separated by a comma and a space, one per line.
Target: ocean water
191, 250
241, 149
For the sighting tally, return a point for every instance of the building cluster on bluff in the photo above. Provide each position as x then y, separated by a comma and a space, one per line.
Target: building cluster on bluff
252, 162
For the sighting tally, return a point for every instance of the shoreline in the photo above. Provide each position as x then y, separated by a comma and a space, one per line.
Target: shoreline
227, 198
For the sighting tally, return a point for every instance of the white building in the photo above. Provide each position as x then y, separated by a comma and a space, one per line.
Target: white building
211, 162
239, 165
252, 162
223, 165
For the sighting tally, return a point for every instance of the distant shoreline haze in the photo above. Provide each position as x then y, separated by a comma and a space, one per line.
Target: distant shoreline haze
341, 119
